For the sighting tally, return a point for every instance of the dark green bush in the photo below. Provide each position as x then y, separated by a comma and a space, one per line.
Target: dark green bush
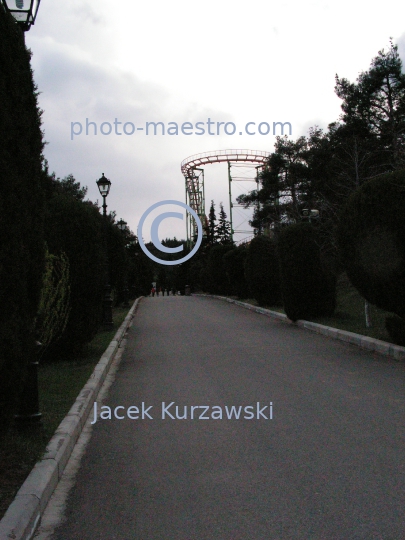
140, 274
262, 271
396, 328
54, 305
21, 213
308, 287
76, 228
372, 241
234, 263
118, 261
216, 278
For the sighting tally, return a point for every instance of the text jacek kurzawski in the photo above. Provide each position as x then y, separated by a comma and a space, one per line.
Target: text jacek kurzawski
171, 411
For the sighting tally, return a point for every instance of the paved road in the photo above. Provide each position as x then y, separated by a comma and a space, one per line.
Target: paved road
329, 465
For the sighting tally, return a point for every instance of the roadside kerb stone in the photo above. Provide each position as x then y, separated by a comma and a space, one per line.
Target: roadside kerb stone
331, 332
24, 514
397, 352
376, 345
349, 337
62, 443
382, 347
22, 518
41, 482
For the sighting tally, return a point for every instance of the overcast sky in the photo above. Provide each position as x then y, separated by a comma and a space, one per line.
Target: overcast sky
179, 61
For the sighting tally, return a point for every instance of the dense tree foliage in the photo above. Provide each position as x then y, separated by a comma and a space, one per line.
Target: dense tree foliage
216, 278
171, 277
321, 170
75, 228
22, 248
262, 271
308, 287
372, 241
311, 178
234, 264
54, 306
376, 105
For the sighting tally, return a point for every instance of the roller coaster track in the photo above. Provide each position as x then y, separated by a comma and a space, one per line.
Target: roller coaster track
218, 156
194, 177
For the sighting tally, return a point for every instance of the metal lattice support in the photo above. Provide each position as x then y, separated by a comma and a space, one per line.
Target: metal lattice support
242, 173
194, 177
195, 198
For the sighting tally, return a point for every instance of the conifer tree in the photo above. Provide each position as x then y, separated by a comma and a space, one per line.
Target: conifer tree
223, 229
212, 225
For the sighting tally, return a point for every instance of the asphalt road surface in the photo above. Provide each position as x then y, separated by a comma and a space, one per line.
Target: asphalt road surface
328, 465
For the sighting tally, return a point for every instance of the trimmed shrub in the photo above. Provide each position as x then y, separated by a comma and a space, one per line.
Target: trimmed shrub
396, 328
262, 271
308, 287
54, 305
140, 274
372, 241
118, 262
216, 278
234, 263
22, 247
76, 228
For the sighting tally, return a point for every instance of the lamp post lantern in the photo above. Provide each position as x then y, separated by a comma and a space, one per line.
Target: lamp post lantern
23, 11
122, 225
104, 187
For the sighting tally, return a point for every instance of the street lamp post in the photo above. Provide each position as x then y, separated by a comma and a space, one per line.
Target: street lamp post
104, 187
122, 225
23, 11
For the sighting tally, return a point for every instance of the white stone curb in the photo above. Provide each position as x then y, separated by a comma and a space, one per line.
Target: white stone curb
376, 345
24, 514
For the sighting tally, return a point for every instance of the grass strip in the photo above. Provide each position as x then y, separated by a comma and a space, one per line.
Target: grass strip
59, 385
349, 314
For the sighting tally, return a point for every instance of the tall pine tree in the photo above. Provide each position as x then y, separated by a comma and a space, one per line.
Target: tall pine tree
223, 229
376, 102
212, 226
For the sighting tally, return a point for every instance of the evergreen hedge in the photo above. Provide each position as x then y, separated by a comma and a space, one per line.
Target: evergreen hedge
118, 261
372, 244
22, 249
262, 271
372, 241
215, 275
140, 275
234, 263
76, 228
308, 287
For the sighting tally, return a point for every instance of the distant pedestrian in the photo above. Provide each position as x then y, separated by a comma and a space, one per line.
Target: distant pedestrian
160, 290
153, 291
167, 292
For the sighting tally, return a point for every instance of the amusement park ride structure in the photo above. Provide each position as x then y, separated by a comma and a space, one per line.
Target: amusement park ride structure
247, 165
